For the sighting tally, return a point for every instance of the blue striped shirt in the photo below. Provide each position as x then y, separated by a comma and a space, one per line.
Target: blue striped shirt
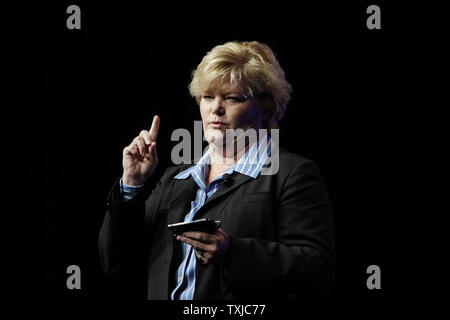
128, 192
249, 164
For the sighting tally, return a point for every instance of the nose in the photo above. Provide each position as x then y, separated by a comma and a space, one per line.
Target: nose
217, 106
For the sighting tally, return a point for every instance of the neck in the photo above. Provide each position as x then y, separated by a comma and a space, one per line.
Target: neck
226, 155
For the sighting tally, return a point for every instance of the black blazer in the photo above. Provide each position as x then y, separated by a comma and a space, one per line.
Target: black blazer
280, 228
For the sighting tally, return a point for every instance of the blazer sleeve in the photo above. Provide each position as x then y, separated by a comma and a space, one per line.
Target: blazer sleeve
126, 225
302, 258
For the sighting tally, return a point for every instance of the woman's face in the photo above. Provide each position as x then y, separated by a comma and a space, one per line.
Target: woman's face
226, 107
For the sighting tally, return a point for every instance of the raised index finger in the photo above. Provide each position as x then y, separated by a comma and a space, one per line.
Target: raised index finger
154, 129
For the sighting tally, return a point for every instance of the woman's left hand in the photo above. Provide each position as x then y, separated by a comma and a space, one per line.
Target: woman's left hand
209, 247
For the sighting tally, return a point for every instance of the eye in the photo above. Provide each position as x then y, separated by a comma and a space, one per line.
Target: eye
207, 97
236, 99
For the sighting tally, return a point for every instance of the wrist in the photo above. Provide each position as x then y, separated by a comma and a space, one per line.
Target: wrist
132, 182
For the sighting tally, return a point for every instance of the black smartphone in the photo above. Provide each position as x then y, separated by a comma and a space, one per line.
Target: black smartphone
203, 225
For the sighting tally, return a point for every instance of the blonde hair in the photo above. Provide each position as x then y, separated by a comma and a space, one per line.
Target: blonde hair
253, 68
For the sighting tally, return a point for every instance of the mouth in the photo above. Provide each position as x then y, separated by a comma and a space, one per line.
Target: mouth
217, 124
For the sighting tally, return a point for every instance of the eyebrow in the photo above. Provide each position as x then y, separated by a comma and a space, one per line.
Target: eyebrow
209, 91
234, 92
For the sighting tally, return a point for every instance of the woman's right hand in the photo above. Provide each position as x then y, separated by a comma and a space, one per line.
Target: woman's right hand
140, 159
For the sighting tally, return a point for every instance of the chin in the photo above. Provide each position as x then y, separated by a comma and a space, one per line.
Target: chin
215, 136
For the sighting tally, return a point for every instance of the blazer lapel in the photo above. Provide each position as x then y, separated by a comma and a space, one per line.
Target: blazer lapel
235, 180
184, 192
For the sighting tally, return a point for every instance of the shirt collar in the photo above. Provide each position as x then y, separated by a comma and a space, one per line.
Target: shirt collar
249, 164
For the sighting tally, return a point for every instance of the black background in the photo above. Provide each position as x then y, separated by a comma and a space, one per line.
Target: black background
369, 106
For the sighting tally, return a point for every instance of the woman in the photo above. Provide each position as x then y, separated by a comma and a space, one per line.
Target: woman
276, 236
